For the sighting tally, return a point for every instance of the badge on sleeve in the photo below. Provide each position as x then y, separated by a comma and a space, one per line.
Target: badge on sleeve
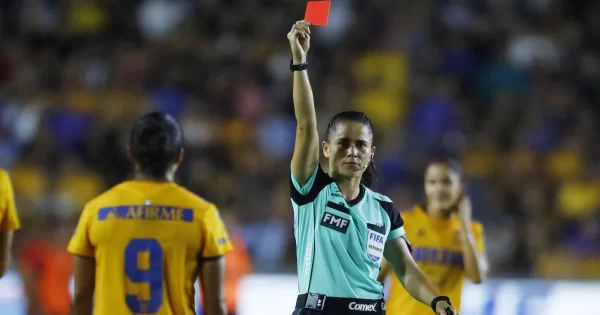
375, 245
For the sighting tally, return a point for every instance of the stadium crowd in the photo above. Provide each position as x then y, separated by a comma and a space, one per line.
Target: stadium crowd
510, 88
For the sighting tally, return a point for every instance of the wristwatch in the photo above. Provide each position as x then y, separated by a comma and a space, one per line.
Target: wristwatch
300, 67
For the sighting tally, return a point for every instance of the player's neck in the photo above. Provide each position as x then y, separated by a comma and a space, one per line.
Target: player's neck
168, 178
438, 213
350, 188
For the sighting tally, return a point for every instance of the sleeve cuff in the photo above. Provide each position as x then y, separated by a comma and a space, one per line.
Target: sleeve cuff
213, 258
306, 188
10, 227
394, 234
79, 252
218, 253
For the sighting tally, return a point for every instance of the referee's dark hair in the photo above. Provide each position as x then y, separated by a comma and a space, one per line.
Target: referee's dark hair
155, 143
369, 177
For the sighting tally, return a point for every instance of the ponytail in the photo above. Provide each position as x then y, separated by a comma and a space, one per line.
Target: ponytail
369, 177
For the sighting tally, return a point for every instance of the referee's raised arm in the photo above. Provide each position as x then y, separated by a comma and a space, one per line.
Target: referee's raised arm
306, 149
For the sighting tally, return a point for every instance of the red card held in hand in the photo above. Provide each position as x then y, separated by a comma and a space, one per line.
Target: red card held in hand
317, 12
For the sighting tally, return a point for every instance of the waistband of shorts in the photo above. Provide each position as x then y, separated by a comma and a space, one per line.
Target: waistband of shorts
337, 305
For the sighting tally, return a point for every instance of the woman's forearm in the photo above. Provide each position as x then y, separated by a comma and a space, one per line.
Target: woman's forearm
408, 272
475, 263
418, 285
304, 104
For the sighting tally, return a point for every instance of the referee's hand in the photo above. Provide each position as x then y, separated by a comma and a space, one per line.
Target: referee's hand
299, 37
444, 308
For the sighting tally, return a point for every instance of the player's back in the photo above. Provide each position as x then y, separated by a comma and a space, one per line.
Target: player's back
147, 239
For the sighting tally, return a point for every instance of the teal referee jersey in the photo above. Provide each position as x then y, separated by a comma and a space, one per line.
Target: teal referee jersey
339, 244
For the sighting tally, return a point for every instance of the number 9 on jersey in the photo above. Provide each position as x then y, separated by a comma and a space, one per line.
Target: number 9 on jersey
145, 270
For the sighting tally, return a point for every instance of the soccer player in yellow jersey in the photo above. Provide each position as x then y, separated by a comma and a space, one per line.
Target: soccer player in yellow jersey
140, 246
9, 220
447, 244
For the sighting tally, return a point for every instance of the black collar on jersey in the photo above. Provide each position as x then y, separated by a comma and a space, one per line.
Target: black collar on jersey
361, 195
321, 181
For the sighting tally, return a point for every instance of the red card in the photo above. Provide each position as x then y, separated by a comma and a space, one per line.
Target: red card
317, 12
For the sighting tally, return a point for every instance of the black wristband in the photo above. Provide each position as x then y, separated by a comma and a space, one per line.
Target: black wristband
439, 298
300, 67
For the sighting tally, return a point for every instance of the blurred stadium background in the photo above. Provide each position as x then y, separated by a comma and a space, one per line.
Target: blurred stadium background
511, 87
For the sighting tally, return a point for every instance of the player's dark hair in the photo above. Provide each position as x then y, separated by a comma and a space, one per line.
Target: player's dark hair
369, 177
448, 161
155, 142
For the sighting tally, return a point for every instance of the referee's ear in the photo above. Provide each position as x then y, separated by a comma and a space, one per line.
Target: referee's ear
325, 147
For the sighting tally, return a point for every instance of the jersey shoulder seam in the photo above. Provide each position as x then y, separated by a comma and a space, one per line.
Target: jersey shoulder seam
380, 197
196, 198
91, 204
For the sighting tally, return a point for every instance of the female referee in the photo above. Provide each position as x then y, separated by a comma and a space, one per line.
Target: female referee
342, 228
447, 245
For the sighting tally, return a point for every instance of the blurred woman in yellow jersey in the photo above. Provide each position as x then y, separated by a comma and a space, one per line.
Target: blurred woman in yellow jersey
448, 245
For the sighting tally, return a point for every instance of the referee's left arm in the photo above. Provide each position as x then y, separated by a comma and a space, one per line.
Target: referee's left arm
397, 253
384, 270
410, 275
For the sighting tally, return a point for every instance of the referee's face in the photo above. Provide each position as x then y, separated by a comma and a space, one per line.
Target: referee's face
349, 149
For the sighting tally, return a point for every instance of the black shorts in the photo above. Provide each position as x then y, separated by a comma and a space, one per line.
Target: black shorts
319, 304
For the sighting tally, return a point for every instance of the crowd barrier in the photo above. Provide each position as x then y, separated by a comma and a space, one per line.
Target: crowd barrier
276, 294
